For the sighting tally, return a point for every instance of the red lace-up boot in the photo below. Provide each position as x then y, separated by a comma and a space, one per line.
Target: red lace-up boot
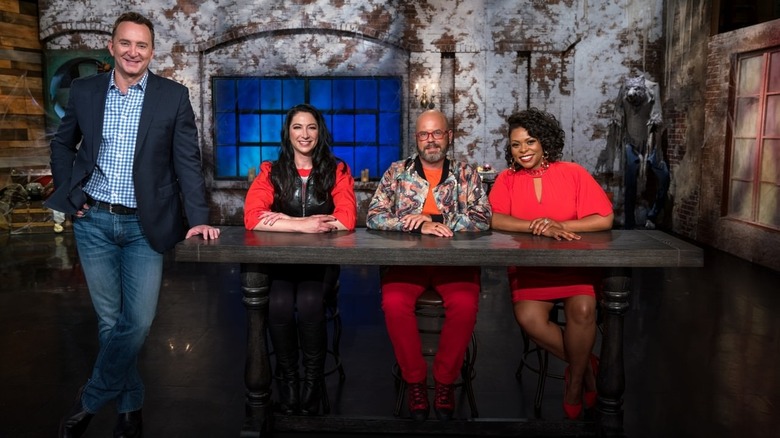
417, 396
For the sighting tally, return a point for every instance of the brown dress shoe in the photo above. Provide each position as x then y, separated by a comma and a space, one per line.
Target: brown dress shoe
129, 425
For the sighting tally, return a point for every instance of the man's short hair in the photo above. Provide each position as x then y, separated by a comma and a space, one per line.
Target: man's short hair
133, 17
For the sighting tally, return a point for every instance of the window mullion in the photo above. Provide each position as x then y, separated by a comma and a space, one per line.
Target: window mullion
761, 122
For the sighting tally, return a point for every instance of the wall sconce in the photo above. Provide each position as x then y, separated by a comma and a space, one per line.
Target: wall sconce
426, 102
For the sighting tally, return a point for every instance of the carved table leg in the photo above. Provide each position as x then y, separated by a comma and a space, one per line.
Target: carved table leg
612, 379
257, 374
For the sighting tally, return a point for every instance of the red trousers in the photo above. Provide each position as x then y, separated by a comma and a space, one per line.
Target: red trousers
459, 288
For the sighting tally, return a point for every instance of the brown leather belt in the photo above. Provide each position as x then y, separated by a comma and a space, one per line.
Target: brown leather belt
112, 208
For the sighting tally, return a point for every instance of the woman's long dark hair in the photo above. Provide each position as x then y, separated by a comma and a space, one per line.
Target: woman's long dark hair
323, 172
540, 125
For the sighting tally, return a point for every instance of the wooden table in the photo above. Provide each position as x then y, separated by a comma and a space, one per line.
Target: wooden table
257, 251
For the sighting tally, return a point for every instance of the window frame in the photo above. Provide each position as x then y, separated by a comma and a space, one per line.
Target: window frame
758, 136
386, 151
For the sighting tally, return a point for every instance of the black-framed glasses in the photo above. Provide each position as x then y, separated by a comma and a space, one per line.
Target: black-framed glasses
437, 135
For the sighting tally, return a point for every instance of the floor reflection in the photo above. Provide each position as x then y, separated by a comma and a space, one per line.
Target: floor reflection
701, 348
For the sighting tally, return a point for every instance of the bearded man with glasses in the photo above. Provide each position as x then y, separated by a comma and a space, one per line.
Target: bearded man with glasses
430, 194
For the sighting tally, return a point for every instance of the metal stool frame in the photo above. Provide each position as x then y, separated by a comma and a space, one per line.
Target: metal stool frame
557, 316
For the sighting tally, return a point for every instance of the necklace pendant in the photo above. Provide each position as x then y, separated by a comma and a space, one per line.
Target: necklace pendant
539, 171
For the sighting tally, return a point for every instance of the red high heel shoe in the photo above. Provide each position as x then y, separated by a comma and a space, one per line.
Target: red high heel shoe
591, 397
572, 411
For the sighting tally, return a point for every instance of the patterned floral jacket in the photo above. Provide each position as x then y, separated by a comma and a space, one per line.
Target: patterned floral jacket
402, 191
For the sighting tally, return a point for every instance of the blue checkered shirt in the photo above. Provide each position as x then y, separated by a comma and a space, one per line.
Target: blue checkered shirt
112, 180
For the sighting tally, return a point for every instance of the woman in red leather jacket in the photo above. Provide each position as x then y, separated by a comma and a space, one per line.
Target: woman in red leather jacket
307, 190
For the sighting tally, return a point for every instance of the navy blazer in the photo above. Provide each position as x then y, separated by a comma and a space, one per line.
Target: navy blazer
167, 170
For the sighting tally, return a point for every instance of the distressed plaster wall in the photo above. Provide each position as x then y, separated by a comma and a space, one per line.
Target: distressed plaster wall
486, 58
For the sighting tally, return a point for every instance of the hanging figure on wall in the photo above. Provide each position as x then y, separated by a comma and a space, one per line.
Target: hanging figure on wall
635, 131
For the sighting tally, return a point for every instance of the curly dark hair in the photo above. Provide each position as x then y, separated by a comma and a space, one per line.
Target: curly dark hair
324, 163
540, 125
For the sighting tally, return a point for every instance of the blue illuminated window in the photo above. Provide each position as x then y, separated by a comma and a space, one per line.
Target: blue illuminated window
363, 115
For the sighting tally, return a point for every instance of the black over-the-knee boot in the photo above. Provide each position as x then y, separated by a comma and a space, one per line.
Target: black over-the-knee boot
314, 338
284, 338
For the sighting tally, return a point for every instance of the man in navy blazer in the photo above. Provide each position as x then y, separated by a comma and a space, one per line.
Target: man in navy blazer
126, 163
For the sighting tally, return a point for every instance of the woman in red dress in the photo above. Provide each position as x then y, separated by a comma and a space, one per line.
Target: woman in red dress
540, 195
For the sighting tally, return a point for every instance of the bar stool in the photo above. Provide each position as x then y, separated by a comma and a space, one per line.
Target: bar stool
557, 316
333, 316
429, 310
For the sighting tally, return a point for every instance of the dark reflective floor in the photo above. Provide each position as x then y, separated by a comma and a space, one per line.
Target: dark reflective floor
701, 346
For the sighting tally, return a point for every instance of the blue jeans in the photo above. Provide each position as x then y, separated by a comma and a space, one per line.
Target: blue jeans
661, 172
124, 275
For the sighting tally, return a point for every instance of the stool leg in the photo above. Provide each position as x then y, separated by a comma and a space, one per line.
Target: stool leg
468, 374
325, 399
336, 346
543, 363
526, 346
399, 400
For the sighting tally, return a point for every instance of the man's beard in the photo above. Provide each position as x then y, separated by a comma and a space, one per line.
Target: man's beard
433, 157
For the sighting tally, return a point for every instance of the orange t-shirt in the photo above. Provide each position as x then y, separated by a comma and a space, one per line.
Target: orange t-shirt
433, 176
